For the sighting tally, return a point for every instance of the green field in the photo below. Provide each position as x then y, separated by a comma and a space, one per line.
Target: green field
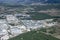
34, 35
38, 16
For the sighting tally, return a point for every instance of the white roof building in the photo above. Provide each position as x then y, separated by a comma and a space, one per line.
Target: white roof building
33, 24
11, 19
16, 31
3, 24
3, 32
2, 21
6, 37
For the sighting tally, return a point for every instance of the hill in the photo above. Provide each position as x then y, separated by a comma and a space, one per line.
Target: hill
34, 35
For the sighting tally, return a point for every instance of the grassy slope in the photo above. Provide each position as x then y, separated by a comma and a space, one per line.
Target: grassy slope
34, 35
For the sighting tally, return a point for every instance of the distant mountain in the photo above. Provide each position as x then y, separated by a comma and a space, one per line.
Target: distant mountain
28, 1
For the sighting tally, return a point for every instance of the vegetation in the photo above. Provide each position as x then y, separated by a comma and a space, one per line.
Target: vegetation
41, 16
52, 30
46, 7
43, 29
34, 35
36, 15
